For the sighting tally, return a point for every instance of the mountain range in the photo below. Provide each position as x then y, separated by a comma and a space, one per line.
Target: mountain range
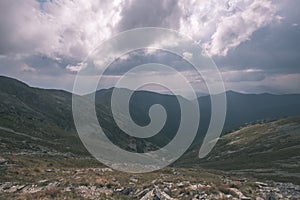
47, 114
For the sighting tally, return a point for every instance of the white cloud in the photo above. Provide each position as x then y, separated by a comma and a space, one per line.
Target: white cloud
235, 29
76, 68
22, 27
252, 75
74, 28
80, 25
221, 25
68, 28
187, 55
26, 68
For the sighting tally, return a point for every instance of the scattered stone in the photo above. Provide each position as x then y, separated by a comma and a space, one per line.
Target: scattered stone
156, 194
52, 185
102, 169
142, 193
271, 196
134, 180
182, 184
12, 189
259, 198
167, 191
5, 186
92, 192
196, 187
246, 198
242, 180
261, 184
156, 197
175, 172
119, 189
21, 187
32, 189
203, 196
239, 193
3, 161
127, 191
43, 181
68, 189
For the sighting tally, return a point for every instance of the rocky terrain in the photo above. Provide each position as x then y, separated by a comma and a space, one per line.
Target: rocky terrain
63, 177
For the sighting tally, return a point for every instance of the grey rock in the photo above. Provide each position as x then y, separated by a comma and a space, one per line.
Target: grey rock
167, 190
127, 191
3, 161
157, 194
52, 185
133, 180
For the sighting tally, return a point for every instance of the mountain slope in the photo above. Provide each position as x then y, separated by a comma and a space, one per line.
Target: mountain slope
47, 114
30, 108
27, 113
271, 149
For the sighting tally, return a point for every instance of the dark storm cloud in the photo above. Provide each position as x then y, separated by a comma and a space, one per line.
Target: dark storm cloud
154, 13
274, 49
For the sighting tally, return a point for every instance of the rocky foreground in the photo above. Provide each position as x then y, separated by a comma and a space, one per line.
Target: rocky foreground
62, 177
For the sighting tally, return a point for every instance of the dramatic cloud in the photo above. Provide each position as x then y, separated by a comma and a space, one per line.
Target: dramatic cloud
273, 49
22, 27
252, 41
154, 13
73, 28
222, 26
234, 29
67, 28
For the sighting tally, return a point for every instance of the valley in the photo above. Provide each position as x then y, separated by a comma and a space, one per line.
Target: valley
42, 156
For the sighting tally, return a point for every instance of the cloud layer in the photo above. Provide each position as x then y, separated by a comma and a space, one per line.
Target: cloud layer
251, 40
73, 28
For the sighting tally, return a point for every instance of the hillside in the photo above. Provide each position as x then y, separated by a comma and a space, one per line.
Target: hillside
265, 150
47, 114
36, 120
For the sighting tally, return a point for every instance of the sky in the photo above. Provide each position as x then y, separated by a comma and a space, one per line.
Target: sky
254, 43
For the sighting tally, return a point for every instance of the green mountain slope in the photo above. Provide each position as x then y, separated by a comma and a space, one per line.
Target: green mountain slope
31, 118
266, 149
47, 114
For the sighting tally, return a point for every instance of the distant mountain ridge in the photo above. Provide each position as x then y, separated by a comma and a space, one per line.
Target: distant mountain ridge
48, 113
